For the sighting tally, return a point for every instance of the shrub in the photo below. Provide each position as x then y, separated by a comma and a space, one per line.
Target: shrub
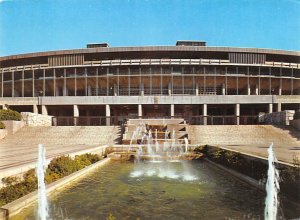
8, 114
58, 168
11, 180
14, 190
2, 126
200, 149
63, 166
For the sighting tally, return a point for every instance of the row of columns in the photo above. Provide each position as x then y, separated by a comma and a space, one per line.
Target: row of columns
88, 87
140, 111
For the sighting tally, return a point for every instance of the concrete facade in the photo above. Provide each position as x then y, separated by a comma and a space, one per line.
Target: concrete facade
175, 81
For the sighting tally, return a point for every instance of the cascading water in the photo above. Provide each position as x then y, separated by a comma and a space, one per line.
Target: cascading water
159, 155
149, 144
186, 143
42, 197
272, 187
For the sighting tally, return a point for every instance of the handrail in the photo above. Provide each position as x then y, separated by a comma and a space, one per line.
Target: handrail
152, 62
120, 120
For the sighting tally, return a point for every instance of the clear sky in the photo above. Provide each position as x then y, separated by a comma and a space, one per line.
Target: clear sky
42, 25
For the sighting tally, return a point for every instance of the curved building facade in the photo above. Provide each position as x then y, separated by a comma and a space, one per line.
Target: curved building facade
189, 80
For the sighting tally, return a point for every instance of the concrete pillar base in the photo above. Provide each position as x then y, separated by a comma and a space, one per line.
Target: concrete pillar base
35, 109
270, 108
44, 110
279, 107
204, 114
172, 110
107, 108
237, 113
75, 111
140, 111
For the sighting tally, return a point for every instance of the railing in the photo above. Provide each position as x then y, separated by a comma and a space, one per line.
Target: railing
223, 120
89, 120
120, 120
153, 62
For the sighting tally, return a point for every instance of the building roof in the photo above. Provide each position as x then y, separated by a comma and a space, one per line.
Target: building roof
152, 49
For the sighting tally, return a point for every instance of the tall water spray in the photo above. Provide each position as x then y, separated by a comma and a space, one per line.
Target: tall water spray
186, 143
42, 197
272, 187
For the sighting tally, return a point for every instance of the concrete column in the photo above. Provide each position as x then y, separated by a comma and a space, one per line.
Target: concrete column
280, 91
65, 83
270, 108
256, 90
107, 109
57, 93
223, 89
249, 90
197, 89
169, 89
172, 110
44, 110
278, 107
35, 109
13, 84
89, 90
142, 89
140, 111
75, 111
204, 114
115, 90
237, 113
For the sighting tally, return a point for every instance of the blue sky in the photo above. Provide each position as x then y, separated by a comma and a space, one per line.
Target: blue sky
42, 25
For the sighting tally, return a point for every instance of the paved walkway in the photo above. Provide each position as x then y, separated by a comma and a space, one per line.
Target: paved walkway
18, 152
282, 153
250, 139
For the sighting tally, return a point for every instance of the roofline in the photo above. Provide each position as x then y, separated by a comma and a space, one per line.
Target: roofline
152, 48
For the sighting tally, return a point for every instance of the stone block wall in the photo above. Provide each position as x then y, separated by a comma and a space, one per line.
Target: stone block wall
33, 119
13, 126
3, 133
277, 118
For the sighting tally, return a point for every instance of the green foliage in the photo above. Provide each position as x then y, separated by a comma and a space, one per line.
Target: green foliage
65, 165
15, 188
200, 149
8, 114
111, 217
59, 167
11, 180
2, 125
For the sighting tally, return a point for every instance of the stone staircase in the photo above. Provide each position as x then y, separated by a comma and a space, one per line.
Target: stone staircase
20, 148
249, 139
161, 127
241, 134
63, 135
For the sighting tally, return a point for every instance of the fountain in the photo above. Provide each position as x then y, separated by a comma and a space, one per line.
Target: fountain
272, 187
186, 142
42, 197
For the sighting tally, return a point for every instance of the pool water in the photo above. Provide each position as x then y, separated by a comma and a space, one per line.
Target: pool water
166, 190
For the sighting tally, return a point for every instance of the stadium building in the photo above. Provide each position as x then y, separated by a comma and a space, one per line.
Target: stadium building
102, 85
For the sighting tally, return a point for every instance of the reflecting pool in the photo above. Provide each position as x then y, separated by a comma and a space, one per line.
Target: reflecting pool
165, 190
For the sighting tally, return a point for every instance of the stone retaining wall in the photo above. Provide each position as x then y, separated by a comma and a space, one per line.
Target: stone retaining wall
13, 126
278, 118
3, 133
33, 119
296, 124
